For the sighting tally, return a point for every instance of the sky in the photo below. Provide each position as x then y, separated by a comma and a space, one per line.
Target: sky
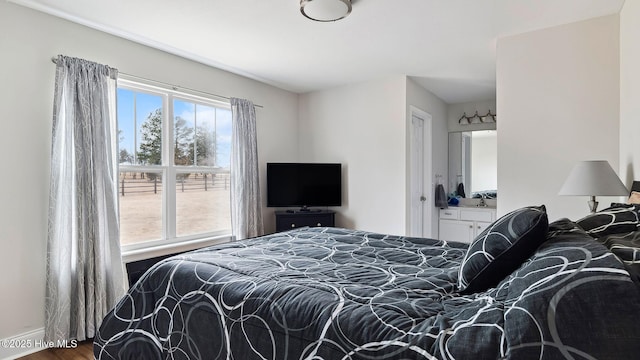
145, 104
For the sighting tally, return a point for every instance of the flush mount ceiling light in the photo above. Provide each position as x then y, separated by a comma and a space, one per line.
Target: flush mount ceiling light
325, 10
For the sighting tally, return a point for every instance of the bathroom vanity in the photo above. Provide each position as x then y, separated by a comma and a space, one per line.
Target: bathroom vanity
464, 223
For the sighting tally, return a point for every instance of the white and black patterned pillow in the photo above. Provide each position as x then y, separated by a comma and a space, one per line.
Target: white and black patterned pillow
502, 248
613, 220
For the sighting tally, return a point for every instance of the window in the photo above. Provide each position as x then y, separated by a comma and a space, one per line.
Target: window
174, 155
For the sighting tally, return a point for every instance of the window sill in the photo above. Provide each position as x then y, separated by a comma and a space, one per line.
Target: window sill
171, 248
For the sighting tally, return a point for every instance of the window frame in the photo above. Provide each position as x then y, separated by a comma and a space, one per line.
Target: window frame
169, 170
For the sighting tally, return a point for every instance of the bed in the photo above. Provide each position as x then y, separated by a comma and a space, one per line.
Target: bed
550, 291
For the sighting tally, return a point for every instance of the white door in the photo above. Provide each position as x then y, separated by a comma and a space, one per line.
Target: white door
419, 171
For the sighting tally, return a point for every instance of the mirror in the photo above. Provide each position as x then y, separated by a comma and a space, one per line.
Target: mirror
473, 163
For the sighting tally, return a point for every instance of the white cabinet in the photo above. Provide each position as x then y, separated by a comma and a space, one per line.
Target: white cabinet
455, 230
464, 224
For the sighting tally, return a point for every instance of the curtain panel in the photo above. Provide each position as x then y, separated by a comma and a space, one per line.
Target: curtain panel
246, 203
84, 266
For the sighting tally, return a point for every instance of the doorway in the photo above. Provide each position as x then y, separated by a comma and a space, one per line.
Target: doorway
420, 171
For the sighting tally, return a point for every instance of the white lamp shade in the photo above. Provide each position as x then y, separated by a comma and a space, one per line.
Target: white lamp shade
593, 178
325, 10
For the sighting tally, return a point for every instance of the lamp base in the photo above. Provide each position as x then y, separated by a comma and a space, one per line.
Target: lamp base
593, 204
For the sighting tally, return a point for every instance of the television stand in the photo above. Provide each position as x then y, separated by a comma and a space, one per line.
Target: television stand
305, 209
287, 220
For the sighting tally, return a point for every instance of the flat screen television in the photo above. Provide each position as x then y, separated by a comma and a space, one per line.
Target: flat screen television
304, 184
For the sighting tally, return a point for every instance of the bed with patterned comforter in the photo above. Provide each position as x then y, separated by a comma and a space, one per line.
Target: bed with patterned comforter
332, 293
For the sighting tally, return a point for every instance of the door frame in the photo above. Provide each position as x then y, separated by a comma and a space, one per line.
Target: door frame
427, 174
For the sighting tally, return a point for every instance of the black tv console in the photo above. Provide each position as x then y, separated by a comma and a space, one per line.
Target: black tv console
287, 219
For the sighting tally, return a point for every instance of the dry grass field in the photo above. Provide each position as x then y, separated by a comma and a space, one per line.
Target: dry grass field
197, 211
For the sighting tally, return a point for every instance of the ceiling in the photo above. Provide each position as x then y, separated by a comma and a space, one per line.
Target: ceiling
447, 46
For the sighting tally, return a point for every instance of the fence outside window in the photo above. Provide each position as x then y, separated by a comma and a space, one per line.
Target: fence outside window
137, 183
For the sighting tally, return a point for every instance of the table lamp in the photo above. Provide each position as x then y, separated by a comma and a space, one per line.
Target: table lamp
592, 178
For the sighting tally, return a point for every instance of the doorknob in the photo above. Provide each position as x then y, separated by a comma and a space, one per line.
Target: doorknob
422, 198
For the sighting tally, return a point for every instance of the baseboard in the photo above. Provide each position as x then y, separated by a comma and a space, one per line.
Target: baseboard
22, 345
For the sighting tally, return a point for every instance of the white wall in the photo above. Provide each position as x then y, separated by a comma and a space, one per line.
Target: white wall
361, 126
364, 126
28, 40
558, 103
630, 92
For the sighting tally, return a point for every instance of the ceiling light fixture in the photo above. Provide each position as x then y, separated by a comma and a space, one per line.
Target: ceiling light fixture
325, 10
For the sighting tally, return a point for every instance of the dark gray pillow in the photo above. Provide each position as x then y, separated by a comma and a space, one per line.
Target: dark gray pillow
501, 248
613, 220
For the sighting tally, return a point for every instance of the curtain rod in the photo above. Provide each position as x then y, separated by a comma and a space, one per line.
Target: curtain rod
172, 86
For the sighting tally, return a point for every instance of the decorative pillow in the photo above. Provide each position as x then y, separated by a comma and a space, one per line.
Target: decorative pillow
502, 247
634, 198
613, 220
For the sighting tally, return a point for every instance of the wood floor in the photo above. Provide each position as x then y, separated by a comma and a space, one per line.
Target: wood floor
84, 351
